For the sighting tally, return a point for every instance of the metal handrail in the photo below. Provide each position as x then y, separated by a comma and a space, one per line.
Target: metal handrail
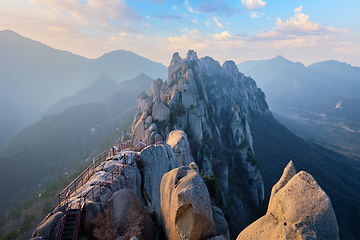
64, 195
90, 171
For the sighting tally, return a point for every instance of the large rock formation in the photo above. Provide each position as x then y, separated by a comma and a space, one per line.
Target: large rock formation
127, 213
298, 209
186, 206
202, 111
211, 104
178, 141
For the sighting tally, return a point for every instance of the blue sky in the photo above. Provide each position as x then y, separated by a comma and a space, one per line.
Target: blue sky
300, 30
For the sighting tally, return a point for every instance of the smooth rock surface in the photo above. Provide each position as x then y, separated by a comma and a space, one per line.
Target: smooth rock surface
185, 205
298, 209
127, 212
178, 141
46, 227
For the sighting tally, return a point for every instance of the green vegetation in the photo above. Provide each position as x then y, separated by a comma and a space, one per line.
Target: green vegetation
27, 222
243, 145
2, 219
172, 119
178, 110
25, 225
211, 184
250, 158
193, 167
47, 208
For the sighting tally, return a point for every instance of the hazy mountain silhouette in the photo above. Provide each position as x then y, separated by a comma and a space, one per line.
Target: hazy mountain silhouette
319, 102
34, 76
337, 69
290, 84
123, 65
97, 91
42, 150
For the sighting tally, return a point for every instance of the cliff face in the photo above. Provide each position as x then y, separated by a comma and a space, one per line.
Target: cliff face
203, 110
211, 103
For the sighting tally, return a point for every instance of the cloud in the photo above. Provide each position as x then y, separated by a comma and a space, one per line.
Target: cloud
207, 24
222, 36
219, 7
187, 5
253, 4
295, 27
217, 22
254, 15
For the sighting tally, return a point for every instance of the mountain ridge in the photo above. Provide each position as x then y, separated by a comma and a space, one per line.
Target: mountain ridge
34, 76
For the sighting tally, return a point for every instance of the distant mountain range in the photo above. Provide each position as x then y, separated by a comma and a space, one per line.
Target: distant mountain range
318, 102
42, 150
319, 87
35, 76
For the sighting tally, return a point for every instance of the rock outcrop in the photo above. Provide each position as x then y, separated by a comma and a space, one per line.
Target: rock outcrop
198, 117
178, 141
128, 213
157, 160
298, 209
186, 206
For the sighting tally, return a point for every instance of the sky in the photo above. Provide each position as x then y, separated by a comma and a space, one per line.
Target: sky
307, 31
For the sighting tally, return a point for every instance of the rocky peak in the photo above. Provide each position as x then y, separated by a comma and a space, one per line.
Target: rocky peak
211, 104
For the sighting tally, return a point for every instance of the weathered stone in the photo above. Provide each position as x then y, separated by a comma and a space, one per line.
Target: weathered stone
127, 212
160, 112
156, 87
299, 209
105, 195
185, 205
152, 128
148, 122
188, 98
220, 223
138, 131
132, 179
195, 127
289, 172
91, 211
175, 99
47, 225
221, 237
157, 160
145, 104
178, 141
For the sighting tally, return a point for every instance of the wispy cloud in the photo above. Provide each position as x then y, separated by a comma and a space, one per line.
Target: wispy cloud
297, 26
187, 5
253, 4
215, 19
254, 15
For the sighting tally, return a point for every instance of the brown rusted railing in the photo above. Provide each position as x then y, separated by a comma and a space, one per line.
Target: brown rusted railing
90, 171
83, 177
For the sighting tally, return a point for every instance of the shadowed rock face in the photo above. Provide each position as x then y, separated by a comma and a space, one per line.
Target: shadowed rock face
185, 205
298, 209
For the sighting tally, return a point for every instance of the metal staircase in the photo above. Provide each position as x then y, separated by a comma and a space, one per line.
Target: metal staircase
70, 230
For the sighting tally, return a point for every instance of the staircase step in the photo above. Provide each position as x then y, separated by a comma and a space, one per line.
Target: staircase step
67, 237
